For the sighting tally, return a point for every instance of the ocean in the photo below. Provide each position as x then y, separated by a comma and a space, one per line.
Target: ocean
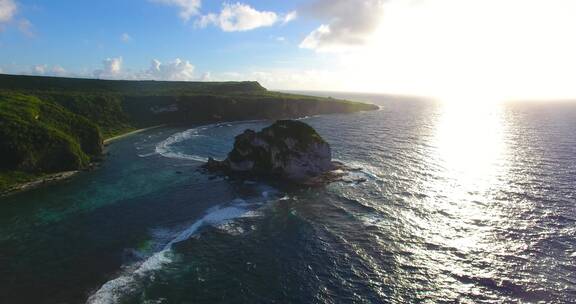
454, 202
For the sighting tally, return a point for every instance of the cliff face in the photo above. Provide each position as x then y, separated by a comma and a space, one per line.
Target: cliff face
153, 110
288, 149
117, 106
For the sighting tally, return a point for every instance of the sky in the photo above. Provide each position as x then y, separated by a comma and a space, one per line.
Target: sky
451, 49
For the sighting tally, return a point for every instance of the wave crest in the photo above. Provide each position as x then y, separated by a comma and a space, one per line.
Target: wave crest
114, 290
165, 149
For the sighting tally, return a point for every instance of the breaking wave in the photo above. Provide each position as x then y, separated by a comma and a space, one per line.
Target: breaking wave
165, 148
114, 290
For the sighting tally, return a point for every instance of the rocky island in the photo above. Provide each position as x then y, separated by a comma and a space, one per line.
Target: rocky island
288, 149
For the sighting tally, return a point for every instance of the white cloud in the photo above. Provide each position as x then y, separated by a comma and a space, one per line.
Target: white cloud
46, 70
207, 76
112, 67
39, 69
26, 27
188, 8
346, 23
291, 16
314, 39
239, 17
125, 37
8, 9
8, 12
177, 70
58, 70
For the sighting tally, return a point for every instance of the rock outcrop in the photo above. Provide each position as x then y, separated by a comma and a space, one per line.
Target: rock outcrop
288, 149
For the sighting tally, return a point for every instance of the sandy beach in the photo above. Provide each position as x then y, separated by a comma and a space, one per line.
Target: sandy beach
112, 139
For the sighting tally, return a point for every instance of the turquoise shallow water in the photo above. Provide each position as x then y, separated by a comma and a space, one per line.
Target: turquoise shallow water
460, 204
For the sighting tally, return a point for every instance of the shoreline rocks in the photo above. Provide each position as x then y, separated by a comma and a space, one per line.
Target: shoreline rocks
289, 150
38, 182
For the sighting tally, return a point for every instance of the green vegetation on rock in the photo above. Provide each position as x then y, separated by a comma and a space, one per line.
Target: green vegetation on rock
288, 149
40, 136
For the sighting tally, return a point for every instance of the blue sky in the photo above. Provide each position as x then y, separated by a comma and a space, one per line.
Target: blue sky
78, 37
491, 49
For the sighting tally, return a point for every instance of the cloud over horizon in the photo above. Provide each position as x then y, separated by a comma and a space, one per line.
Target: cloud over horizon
46, 70
112, 67
177, 70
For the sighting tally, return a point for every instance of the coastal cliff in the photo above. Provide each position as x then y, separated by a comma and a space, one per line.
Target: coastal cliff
50, 124
37, 136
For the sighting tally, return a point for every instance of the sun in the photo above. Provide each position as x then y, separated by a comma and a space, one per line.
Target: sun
468, 51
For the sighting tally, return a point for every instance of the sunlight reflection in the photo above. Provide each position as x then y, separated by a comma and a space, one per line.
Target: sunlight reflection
471, 149
471, 144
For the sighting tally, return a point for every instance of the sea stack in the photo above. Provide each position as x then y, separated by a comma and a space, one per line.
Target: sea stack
288, 149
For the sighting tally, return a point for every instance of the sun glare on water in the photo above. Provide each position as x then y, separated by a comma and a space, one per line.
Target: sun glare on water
471, 152
470, 141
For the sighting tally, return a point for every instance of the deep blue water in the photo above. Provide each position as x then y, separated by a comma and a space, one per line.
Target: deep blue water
471, 204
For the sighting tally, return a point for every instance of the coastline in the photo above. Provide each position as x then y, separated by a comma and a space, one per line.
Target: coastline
38, 182
117, 137
61, 176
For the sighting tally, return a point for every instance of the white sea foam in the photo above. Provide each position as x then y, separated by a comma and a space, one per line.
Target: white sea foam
364, 171
113, 290
164, 148
147, 154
